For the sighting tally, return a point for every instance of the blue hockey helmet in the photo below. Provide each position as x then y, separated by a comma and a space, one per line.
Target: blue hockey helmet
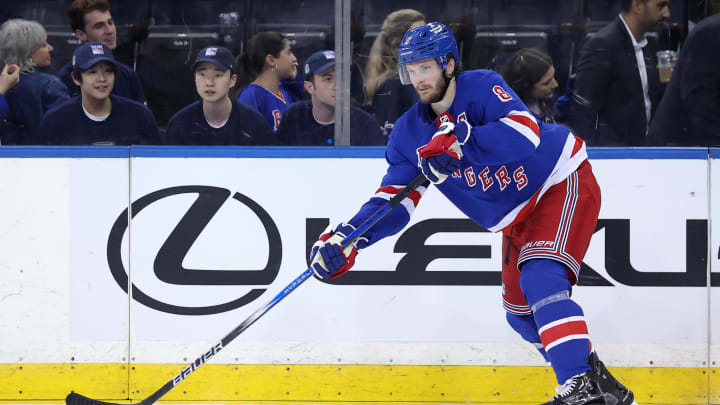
432, 40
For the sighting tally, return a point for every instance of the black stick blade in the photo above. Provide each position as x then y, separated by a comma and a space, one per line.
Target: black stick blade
74, 398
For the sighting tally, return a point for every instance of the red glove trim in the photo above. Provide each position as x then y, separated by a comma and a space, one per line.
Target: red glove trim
438, 146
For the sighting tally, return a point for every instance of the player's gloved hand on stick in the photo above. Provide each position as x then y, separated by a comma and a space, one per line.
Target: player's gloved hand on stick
327, 257
441, 156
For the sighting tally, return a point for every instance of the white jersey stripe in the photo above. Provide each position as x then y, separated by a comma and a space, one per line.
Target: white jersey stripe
565, 339
409, 205
522, 129
565, 165
407, 202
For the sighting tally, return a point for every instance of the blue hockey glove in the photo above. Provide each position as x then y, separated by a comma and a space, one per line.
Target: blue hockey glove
327, 257
441, 156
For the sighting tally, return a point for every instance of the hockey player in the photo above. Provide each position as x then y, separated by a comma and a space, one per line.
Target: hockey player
472, 137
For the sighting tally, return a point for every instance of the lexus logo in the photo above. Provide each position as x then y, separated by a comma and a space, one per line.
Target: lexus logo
168, 263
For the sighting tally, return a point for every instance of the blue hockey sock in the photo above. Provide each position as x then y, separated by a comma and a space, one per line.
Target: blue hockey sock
525, 326
560, 321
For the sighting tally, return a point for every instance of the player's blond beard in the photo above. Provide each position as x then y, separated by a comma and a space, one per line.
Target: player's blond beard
442, 90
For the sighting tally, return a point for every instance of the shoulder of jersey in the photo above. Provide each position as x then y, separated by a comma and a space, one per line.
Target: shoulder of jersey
473, 78
249, 89
411, 113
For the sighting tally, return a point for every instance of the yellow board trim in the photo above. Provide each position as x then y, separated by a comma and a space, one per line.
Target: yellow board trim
243, 383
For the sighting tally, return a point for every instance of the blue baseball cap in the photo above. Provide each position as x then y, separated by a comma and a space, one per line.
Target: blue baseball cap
218, 56
319, 62
89, 54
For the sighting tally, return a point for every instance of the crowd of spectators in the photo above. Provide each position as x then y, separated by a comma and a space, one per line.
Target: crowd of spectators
264, 94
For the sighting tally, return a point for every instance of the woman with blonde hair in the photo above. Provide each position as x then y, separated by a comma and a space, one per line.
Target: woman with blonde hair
388, 99
24, 43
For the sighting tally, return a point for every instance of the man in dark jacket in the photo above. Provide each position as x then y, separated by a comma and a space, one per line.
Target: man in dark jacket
312, 122
91, 21
97, 117
617, 86
689, 113
217, 119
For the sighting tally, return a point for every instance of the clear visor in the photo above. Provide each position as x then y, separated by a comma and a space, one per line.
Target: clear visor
404, 75
416, 71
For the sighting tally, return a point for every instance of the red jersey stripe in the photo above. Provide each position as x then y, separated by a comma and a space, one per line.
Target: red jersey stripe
526, 121
564, 329
577, 146
414, 196
389, 190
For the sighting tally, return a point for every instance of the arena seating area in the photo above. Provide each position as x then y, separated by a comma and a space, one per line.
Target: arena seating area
160, 38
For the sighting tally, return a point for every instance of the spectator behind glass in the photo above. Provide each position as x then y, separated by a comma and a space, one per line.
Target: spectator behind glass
97, 117
312, 122
267, 61
387, 98
689, 113
91, 21
217, 119
532, 75
24, 43
9, 78
617, 85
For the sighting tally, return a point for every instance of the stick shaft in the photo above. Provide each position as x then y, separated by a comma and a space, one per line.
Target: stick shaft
77, 399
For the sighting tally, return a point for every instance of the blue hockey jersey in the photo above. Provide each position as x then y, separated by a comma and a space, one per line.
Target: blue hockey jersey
269, 104
509, 158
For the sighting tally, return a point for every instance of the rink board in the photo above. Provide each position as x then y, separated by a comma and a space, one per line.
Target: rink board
217, 232
346, 383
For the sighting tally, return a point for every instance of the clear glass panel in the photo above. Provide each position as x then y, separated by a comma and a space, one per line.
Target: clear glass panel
129, 17
487, 31
159, 38
177, 30
309, 28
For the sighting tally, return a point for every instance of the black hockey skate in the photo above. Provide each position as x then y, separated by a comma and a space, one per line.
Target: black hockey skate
582, 389
608, 383
596, 386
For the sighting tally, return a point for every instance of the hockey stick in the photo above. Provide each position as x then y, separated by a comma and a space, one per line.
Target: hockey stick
74, 398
